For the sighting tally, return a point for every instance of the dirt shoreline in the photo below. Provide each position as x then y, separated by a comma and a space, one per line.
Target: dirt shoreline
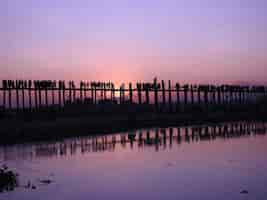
21, 130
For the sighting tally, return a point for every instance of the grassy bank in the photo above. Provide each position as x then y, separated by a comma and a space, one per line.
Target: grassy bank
18, 130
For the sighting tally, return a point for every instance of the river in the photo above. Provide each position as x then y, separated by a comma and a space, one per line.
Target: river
214, 161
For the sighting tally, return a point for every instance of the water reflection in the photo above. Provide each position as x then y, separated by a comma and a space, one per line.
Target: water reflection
157, 138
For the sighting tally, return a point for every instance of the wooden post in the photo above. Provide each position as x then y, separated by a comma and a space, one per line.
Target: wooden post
192, 94
105, 92
219, 94
30, 94
81, 91
206, 89
59, 94
185, 94
120, 95
92, 93
4, 98
243, 95
74, 91
35, 96
131, 93
147, 95
156, 93
139, 93
113, 94
40, 96
101, 92
70, 92
53, 95
46, 97
9, 98
177, 96
253, 93
247, 95
231, 95
63, 93
23, 96
226, 94
210, 95
163, 93
240, 95
123, 94
214, 94
95, 95
84, 91
235, 95
170, 96
114, 91
198, 95
223, 94
17, 94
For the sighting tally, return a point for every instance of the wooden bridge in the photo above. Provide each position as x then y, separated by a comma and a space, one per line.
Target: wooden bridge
29, 95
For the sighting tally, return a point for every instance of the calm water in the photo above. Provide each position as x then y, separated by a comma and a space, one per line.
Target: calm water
200, 162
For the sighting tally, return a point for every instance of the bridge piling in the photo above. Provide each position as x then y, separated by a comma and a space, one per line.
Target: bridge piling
46, 98
130, 93
156, 93
163, 93
23, 96
192, 94
185, 94
177, 96
17, 95
170, 96
30, 94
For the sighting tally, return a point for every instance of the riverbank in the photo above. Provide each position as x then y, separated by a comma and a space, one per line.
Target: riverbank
8, 179
20, 130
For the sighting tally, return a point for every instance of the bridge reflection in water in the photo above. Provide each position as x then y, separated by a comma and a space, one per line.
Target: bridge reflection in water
157, 138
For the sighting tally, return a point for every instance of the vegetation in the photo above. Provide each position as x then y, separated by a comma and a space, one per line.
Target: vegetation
8, 179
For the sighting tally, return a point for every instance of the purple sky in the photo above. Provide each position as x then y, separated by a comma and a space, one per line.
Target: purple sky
120, 40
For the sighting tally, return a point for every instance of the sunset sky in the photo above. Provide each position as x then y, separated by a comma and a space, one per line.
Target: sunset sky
119, 40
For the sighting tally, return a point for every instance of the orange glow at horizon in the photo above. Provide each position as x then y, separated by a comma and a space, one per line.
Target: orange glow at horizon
124, 63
